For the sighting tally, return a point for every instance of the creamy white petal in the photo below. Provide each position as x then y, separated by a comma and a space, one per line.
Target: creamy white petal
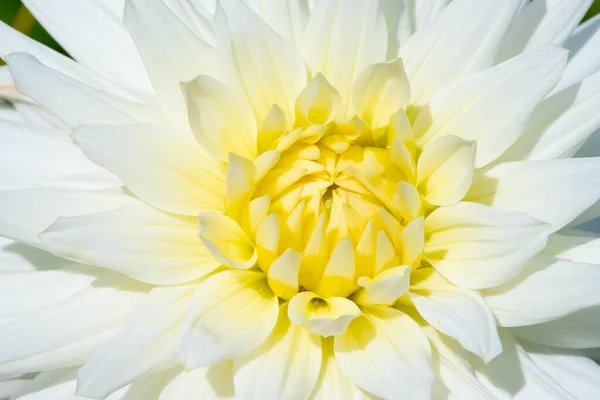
546, 290
339, 53
584, 58
285, 366
57, 384
170, 51
463, 39
230, 314
19, 257
491, 107
514, 374
540, 23
75, 24
71, 331
139, 241
399, 17
169, 172
146, 344
27, 291
288, 18
256, 60
580, 330
78, 103
210, 105
459, 313
578, 375
425, 11
12, 387
205, 383
149, 387
16, 42
561, 124
475, 246
387, 354
42, 157
555, 191
452, 365
25, 213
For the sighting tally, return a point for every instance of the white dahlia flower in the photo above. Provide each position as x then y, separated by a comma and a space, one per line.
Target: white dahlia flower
294, 199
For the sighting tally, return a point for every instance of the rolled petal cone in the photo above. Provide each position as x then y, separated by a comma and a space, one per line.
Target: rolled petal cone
299, 199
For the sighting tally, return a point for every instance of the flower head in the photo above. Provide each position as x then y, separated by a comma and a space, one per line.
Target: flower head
302, 200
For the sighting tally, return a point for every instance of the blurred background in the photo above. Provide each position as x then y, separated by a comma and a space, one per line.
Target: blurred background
15, 14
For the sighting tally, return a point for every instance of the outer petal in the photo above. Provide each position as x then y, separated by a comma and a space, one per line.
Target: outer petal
341, 54
170, 51
139, 241
459, 313
75, 24
24, 214
206, 383
584, 58
285, 366
554, 191
580, 330
491, 107
19, 257
69, 332
257, 61
475, 246
540, 23
387, 354
288, 18
146, 344
230, 314
170, 173
464, 39
78, 103
221, 120
547, 289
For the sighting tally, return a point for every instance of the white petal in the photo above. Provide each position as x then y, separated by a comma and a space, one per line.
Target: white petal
445, 170
257, 61
387, 354
555, 191
206, 383
578, 375
166, 171
146, 344
562, 123
339, 53
78, 103
491, 107
453, 367
288, 18
41, 157
149, 387
285, 366
387, 287
69, 332
75, 25
25, 292
425, 11
463, 39
230, 314
514, 374
170, 51
16, 42
580, 330
459, 313
57, 384
139, 241
24, 214
584, 59
547, 289
379, 91
211, 105
12, 387
475, 246
19, 257
540, 23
